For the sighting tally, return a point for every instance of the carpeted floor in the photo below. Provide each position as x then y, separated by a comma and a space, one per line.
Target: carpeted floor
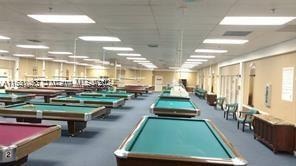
96, 145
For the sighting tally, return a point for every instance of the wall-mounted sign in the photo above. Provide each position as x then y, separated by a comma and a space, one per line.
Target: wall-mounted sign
288, 84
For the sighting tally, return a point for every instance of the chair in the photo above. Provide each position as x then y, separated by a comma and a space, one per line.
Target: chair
219, 102
246, 117
231, 109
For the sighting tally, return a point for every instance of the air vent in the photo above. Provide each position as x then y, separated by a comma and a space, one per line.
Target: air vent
153, 45
237, 33
34, 40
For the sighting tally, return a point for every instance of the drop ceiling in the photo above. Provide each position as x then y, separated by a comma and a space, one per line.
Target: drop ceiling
139, 23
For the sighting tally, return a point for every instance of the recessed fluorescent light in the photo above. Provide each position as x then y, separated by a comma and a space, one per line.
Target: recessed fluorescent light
98, 67
4, 38
32, 46
188, 62
118, 48
197, 60
73, 63
3, 51
60, 52
105, 62
256, 20
202, 56
78, 57
210, 51
127, 54
134, 58
84, 64
100, 38
62, 18
184, 70
92, 60
58, 60
23, 55
174, 68
44, 58
141, 61
225, 41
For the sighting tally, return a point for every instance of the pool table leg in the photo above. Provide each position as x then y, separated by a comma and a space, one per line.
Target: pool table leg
46, 99
29, 120
75, 127
70, 93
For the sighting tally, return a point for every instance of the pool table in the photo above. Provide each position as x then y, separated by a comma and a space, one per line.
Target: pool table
75, 115
18, 140
70, 91
112, 102
8, 99
124, 95
178, 107
136, 89
168, 95
176, 141
46, 93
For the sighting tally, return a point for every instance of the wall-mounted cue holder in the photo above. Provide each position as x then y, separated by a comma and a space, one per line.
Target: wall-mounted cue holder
267, 95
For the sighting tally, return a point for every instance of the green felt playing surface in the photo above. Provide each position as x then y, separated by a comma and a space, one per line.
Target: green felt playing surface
179, 137
174, 103
9, 95
46, 107
90, 98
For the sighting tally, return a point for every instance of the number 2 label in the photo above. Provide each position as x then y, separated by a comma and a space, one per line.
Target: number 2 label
8, 154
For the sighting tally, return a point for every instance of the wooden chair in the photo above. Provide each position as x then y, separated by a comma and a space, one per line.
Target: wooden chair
230, 109
246, 117
219, 102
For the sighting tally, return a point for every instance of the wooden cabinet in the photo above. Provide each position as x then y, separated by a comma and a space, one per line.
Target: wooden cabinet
211, 98
275, 133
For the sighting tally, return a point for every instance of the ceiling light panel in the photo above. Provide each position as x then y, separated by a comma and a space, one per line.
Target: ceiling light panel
23, 55
225, 41
4, 51
78, 57
66, 19
256, 20
127, 54
118, 48
32, 46
135, 58
197, 60
203, 56
142, 61
44, 58
4, 38
210, 51
100, 38
190, 62
59, 52
59, 60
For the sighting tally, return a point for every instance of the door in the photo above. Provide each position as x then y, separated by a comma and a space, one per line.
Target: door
158, 83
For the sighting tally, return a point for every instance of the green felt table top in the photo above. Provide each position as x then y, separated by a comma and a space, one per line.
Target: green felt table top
181, 137
52, 107
174, 103
89, 98
116, 93
9, 95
